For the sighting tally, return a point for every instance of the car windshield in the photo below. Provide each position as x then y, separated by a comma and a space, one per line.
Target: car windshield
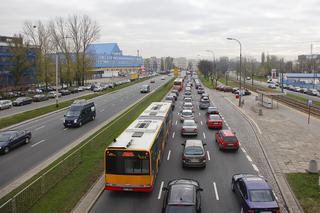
74, 111
186, 113
145, 86
189, 123
193, 150
261, 195
187, 104
182, 195
204, 101
5, 137
214, 118
230, 139
169, 97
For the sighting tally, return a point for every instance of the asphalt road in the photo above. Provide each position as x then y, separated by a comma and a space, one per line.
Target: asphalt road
215, 179
49, 135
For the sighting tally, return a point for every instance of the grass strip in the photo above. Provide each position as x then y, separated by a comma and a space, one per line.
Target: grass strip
14, 119
65, 195
307, 190
303, 99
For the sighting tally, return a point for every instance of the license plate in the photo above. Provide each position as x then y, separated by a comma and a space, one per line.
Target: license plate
230, 144
127, 189
266, 212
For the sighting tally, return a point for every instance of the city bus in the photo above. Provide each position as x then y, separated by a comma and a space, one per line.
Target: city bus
132, 160
178, 84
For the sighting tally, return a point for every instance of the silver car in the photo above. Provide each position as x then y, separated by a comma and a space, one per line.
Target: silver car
5, 104
204, 104
194, 154
188, 105
187, 99
186, 114
189, 127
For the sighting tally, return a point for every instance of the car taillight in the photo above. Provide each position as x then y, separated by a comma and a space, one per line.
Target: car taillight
277, 210
184, 157
183, 130
250, 211
195, 130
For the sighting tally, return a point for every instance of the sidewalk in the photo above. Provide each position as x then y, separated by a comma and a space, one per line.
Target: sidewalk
288, 140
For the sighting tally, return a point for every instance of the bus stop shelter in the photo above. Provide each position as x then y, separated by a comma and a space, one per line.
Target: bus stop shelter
266, 99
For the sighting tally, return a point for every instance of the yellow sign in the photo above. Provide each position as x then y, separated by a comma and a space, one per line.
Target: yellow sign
176, 72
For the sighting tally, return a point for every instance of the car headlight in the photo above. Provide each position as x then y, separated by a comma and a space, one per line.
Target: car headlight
64, 120
0, 147
75, 120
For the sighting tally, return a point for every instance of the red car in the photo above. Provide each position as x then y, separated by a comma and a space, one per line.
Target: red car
227, 139
214, 121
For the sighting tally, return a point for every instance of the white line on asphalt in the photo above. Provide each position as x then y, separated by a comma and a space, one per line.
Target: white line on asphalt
102, 110
199, 113
173, 134
161, 186
198, 107
243, 150
222, 117
241, 211
39, 128
201, 122
249, 158
255, 167
65, 129
38, 143
208, 154
169, 155
204, 135
215, 190
176, 122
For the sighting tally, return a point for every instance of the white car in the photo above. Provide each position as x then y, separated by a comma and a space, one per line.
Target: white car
53, 94
272, 86
5, 104
97, 89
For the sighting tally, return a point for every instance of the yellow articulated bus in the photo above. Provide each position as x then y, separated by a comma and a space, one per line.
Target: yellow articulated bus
132, 160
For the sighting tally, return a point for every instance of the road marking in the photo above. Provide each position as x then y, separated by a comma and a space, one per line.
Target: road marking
204, 135
39, 128
102, 110
173, 134
38, 143
161, 186
199, 113
208, 154
61, 119
201, 122
243, 150
249, 158
215, 190
65, 129
176, 122
255, 167
169, 155
241, 211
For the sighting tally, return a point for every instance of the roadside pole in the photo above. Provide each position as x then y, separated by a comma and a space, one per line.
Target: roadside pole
309, 108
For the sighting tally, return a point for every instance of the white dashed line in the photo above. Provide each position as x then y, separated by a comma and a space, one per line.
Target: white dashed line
215, 190
243, 150
176, 122
201, 122
255, 167
173, 134
169, 155
249, 158
204, 135
199, 114
33, 145
39, 128
65, 129
102, 110
208, 154
160, 191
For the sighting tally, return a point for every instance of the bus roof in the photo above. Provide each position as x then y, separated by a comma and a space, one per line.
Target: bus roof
156, 110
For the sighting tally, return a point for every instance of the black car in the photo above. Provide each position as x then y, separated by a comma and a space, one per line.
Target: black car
73, 90
40, 97
65, 92
12, 138
80, 112
22, 101
182, 196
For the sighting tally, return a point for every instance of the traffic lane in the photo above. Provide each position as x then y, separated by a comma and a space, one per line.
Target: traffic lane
310, 97
49, 135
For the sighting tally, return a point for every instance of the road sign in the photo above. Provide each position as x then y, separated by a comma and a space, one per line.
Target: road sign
309, 103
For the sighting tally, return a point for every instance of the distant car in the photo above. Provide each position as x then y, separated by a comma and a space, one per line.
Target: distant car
248, 78
226, 139
174, 95
214, 121
254, 193
212, 110
22, 101
53, 94
186, 115
163, 78
220, 87
152, 81
188, 88
187, 99
182, 196
204, 95
80, 112
12, 139
204, 103
74, 90
175, 91
200, 91
65, 92
194, 154
171, 100
227, 89
40, 97
189, 127
97, 89
272, 86
188, 106
5, 104
187, 94
145, 88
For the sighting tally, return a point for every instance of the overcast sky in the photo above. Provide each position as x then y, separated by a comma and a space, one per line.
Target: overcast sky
185, 27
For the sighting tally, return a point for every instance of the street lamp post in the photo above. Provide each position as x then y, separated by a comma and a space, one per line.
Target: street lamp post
240, 91
214, 63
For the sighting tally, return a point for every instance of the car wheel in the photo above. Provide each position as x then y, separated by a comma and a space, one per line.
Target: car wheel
27, 140
232, 186
6, 150
93, 117
80, 123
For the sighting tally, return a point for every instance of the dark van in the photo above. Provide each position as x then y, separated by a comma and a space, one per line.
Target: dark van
80, 112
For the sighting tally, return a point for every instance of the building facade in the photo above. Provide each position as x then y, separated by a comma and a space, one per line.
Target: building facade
181, 62
110, 61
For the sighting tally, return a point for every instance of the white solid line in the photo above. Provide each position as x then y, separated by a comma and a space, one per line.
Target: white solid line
241, 211
208, 154
173, 134
204, 135
201, 122
255, 167
102, 110
39, 128
176, 122
161, 186
249, 158
215, 190
169, 155
243, 150
199, 113
65, 129
38, 143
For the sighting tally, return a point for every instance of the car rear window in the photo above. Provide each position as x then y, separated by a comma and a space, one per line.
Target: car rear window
261, 196
186, 113
193, 150
182, 194
188, 123
230, 139
214, 118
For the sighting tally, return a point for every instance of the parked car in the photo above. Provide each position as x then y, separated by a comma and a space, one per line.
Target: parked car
272, 86
73, 90
12, 139
40, 97
188, 105
235, 89
189, 127
212, 110
22, 101
214, 121
297, 89
5, 104
53, 94
314, 92
80, 112
227, 139
186, 114
182, 195
65, 92
194, 154
145, 88
227, 89
163, 78
152, 81
81, 88
254, 193
97, 89
204, 103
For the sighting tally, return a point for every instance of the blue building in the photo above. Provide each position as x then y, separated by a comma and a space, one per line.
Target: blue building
109, 60
6, 65
305, 80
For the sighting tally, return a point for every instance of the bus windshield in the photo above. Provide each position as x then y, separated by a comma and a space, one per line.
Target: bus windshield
127, 162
